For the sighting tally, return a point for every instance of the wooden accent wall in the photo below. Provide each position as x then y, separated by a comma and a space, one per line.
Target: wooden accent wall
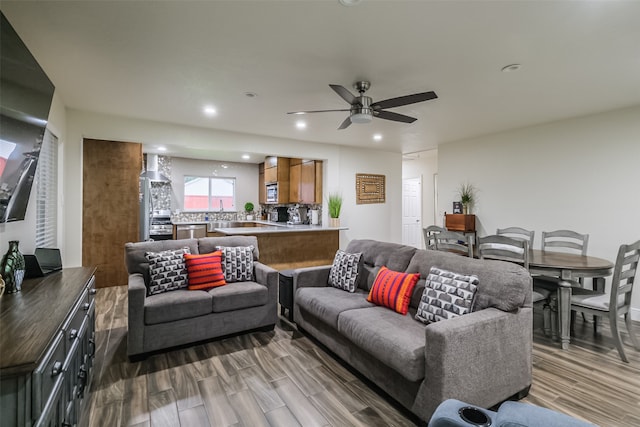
110, 206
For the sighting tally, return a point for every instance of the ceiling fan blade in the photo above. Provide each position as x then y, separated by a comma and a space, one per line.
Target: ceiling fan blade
344, 93
388, 115
404, 100
346, 123
316, 111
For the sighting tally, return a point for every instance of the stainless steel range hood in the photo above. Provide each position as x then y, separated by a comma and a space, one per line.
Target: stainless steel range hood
152, 173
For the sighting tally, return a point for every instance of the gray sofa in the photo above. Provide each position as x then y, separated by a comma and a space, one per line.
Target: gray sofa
483, 357
184, 316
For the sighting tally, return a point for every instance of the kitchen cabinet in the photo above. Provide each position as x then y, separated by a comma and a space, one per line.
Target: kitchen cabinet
276, 171
262, 190
305, 181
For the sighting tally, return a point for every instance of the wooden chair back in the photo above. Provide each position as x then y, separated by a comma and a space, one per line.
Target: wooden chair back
450, 241
624, 274
428, 234
504, 248
517, 233
566, 239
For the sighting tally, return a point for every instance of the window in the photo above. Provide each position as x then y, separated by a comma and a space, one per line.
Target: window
47, 193
209, 194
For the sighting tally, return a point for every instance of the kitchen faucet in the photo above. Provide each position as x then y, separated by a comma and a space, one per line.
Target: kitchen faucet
221, 206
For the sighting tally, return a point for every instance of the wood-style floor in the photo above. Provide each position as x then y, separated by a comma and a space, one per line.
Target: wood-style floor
282, 378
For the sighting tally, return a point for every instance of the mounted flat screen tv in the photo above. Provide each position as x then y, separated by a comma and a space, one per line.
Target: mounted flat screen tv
25, 99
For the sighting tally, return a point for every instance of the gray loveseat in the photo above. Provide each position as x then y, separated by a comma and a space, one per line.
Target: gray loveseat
184, 316
483, 357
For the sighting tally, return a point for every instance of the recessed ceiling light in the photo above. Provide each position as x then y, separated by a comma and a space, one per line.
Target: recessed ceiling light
377, 137
224, 166
210, 111
162, 148
250, 94
301, 124
510, 68
246, 156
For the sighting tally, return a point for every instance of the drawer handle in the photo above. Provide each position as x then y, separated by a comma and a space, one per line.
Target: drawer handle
56, 369
85, 306
92, 291
92, 346
73, 334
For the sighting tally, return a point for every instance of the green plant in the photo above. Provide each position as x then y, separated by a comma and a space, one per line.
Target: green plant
248, 207
467, 193
335, 205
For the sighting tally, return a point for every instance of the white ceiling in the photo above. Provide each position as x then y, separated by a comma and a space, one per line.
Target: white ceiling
165, 60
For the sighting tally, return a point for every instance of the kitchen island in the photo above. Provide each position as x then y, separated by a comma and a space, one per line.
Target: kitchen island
285, 246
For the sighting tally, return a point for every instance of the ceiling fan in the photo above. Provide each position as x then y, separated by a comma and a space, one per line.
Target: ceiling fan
363, 110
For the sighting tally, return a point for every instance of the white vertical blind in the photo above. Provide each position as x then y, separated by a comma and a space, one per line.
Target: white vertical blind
47, 193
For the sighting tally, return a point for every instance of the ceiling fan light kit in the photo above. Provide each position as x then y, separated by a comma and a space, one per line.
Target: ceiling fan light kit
363, 110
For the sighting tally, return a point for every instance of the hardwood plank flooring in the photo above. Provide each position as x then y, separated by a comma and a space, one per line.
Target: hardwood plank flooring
282, 378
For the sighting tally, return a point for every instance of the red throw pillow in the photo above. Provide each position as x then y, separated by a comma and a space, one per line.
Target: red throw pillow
204, 271
393, 289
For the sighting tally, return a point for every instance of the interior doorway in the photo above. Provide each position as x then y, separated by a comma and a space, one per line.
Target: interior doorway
412, 212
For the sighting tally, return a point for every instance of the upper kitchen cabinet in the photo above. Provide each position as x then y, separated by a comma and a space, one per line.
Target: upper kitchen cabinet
305, 181
276, 171
262, 190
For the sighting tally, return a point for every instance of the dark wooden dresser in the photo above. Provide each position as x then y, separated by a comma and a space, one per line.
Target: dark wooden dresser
47, 346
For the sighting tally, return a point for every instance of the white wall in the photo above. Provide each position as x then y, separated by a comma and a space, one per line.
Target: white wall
379, 221
581, 174
246, 175
424, 165
25, 231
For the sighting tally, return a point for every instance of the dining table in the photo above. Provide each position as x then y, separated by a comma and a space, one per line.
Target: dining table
568, 268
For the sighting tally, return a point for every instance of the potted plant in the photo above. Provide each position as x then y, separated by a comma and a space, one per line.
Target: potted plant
467, 193
335, 205
248, 208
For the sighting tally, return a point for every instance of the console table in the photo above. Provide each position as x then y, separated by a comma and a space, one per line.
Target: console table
47, 346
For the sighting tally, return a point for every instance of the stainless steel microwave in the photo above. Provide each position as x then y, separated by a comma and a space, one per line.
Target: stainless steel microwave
272, 193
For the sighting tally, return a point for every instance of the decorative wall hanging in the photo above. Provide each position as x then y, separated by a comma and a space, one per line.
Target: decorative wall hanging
370, 188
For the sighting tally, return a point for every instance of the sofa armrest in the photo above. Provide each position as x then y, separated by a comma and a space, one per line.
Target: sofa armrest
308, 277
266, 275
137, 294
481, 358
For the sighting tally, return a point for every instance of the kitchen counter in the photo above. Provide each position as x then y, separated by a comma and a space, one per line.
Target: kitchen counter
265, 227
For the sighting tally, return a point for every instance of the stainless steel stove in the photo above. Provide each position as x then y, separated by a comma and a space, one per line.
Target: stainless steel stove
161, 227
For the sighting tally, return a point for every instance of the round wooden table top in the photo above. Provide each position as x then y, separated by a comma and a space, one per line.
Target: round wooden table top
566, 261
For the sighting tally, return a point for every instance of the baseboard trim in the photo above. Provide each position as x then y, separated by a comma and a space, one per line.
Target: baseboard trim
635, 314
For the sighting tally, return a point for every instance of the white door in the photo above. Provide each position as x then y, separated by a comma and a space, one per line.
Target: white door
412, 212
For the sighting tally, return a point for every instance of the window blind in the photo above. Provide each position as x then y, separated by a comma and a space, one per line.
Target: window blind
47, 193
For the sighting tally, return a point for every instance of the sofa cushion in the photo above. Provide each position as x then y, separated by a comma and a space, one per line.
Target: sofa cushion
167, 270
393, 289
176, 305
204, 270
502, 285
238, 295
376, 254
237, 263
136, 261
209, 244
327, 303
446, 295
395, 340
344, 271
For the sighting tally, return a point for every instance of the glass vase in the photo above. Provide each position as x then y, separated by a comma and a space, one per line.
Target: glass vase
12, 268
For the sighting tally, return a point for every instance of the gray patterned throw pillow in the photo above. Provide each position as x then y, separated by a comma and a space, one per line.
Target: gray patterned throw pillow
446, 295
344, 271
237, 263
167, 270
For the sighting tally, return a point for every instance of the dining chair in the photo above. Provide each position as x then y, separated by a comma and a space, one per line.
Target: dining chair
452, 241
618, 301
428, 234
503, 248
517, 233
565, 239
